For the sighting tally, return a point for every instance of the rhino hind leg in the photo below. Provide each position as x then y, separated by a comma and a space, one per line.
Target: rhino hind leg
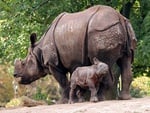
126, 77
73, 86
80, 94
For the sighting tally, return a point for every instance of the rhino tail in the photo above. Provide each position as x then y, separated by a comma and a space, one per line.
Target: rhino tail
131, 40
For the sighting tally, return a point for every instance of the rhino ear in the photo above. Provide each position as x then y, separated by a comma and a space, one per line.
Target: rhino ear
95, 60
33, 39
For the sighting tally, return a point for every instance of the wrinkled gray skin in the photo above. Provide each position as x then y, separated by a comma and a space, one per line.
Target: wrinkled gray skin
73, 40
88, 76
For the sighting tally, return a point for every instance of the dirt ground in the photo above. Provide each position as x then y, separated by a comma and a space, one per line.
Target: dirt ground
140, 105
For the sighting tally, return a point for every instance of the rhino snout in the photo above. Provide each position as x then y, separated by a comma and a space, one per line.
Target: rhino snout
16, 75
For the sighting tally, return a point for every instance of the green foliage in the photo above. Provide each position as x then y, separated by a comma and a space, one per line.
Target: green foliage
39, 95
16, 26
140, 87
47, 90
142, 61
136, 18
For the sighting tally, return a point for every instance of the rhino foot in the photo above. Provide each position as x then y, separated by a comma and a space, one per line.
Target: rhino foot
70, 102
62, 101
101, 98
124, 96
81, 100
94, 99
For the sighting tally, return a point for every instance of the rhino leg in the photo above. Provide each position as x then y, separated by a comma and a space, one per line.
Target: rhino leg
94, 97
73, 86
80, 93
92, 88
126, 77
63, 82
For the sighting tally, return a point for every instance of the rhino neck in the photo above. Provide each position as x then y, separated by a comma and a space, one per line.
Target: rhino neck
39, 57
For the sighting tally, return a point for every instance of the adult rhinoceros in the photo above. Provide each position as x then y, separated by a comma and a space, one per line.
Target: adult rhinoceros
74, 40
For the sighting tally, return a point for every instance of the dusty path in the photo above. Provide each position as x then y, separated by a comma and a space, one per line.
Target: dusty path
141, 105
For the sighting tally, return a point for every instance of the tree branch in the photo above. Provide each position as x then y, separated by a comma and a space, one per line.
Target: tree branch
41, 4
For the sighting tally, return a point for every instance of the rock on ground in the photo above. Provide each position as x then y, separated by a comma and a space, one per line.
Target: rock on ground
140, 105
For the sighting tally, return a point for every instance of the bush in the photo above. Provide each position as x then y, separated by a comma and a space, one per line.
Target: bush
46, 89
140, 87
23, 101
6, 88
15, 102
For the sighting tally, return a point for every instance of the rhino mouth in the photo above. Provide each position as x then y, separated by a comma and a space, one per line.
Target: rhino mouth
17, 79
25, 81
22, 79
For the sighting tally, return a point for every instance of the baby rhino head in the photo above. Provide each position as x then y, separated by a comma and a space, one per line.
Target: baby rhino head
101, 67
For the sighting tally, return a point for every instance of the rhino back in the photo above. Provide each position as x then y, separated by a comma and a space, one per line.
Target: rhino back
70, 35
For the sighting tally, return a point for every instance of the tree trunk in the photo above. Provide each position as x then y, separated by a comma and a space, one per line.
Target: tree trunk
126, 9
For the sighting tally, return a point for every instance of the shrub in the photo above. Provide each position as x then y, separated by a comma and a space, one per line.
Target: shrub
15, 102
6, 88
140, 87
47, 90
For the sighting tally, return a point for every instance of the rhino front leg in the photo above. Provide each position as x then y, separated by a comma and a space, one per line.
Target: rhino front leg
94, 97
126, 77
63, 82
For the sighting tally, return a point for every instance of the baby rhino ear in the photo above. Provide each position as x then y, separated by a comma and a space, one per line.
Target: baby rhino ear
33, 39
95, 60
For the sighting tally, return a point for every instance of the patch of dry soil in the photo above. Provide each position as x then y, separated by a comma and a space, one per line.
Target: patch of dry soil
140, 105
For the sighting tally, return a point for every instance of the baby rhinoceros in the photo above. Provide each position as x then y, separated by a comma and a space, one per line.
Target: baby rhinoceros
88, 76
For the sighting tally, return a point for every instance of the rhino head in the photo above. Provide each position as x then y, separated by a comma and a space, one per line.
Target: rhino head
101, 67
29, 69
